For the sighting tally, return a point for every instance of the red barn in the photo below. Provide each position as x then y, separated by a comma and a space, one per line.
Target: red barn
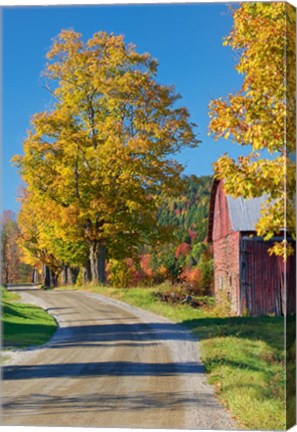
244, 271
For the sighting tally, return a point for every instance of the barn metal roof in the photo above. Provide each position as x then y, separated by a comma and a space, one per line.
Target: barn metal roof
244, 213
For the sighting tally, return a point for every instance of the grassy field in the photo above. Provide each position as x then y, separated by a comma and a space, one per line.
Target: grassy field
243, 356
24, 325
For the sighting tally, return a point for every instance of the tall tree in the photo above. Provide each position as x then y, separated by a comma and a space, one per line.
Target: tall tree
262, 114
102, 153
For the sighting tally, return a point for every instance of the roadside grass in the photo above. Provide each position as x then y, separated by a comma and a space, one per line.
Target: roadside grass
23, 325
9, 295
243, 356
245, 362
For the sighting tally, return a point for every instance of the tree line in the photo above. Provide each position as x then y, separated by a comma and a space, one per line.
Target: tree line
13, 268
183, 258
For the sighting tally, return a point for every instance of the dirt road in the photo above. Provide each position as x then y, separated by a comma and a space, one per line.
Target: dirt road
109, 365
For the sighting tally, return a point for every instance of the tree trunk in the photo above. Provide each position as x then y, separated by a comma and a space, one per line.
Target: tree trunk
34, 276
73, 274
46, 276
101, 261
86, 273
53, 279
68, 275
97, 262
93, 262
64, 275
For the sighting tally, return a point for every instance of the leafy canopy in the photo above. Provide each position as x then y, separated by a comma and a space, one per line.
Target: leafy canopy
101, 154
262, 114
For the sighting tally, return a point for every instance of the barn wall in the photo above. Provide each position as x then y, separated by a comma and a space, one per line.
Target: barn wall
226, 253
222, 223
262, 289
244, 271
226, 269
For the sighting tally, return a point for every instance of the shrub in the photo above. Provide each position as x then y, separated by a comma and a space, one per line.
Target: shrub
119, 273
191, 280
182, 250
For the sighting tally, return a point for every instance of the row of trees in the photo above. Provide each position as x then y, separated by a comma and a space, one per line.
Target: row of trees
97, 164
13, 269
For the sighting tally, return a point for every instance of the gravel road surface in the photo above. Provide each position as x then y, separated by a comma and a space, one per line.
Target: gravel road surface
109, 365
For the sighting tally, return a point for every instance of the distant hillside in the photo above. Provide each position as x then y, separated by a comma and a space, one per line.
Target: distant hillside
189, 212
183, 259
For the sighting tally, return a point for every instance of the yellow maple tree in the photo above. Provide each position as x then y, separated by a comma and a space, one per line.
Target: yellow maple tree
102, 154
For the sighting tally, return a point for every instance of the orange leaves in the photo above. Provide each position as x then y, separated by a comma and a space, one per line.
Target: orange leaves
183, 249
193, 277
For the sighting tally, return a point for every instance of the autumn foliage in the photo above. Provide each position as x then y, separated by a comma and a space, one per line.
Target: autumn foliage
97, 162
184, 259
13, 263
262, 114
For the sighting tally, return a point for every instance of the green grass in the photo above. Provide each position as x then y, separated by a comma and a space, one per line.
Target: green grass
24, 325
8, 295
243, 355
244, 359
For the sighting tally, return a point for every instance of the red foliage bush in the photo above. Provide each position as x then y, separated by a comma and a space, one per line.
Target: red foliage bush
192, 279
182, 249
145, 264
140, 272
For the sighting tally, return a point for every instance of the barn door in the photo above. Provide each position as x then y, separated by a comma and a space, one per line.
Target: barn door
245, 283
261, 278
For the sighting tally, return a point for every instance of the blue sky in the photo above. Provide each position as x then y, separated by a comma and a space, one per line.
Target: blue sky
185, 38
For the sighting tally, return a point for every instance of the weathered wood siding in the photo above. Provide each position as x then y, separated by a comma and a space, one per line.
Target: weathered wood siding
262, 279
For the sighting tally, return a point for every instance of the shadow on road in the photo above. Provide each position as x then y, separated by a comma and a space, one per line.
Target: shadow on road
90, 335
120, 368
96, 335
106, 402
